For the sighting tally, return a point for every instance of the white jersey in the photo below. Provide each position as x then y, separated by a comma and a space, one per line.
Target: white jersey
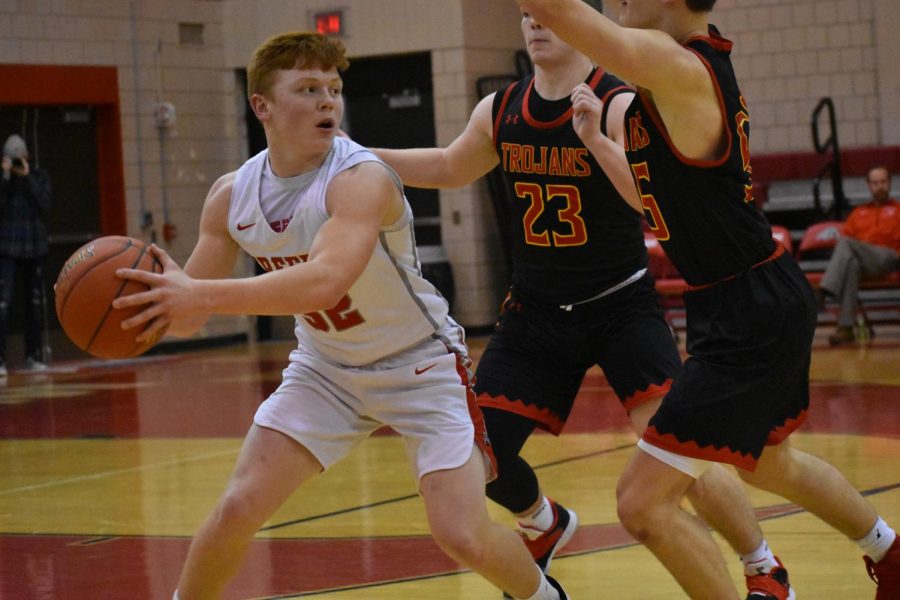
390, 308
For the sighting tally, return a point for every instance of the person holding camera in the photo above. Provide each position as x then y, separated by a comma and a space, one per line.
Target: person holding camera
25, 194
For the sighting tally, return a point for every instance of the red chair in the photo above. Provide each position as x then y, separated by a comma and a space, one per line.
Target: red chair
819, 240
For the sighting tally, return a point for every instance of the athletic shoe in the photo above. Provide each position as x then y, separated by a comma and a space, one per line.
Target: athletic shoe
545, 546
773, 585
33, 364
886, 573
842, 335
557, 587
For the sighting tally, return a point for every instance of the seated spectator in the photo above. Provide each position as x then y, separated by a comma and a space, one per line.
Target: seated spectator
868, 249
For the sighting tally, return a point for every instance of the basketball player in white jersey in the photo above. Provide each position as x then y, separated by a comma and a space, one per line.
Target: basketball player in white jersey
329, 223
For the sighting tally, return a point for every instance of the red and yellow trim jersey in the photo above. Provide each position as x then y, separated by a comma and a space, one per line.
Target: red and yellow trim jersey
701, 211
573, 235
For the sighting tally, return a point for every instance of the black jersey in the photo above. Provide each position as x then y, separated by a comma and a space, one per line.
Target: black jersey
574, 235
701, 211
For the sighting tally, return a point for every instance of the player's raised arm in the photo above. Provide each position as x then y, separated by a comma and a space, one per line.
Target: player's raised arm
467, 158
608, 150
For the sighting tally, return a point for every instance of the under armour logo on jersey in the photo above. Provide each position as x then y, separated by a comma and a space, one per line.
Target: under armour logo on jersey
512, 119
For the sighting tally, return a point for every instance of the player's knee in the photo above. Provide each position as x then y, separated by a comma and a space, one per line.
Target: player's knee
461, 542
237, 513
516, 488
634, 510
503, 491
776, 463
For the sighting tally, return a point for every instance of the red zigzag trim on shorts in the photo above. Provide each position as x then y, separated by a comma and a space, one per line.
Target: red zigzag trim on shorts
724, 455
542, 416
546, 419
653, 392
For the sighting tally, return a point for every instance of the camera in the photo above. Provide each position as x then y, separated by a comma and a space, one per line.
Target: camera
17, 163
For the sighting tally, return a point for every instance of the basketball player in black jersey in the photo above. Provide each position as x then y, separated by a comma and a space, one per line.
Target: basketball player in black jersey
751, 313
580, 292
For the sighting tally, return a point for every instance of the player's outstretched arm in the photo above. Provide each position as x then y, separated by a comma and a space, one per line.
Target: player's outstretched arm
648, 58
467, 158
682, 89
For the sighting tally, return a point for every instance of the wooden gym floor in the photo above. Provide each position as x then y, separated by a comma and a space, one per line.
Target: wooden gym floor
107, 468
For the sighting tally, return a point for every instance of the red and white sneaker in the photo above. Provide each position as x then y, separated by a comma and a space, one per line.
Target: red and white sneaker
545, 546
773, 585
886, 573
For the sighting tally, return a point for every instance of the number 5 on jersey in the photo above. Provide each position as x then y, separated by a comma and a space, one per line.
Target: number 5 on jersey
651, 209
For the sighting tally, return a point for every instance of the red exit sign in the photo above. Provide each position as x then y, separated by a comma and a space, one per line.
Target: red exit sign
330, 23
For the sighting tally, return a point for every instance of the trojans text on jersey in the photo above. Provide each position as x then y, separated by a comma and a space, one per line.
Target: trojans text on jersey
543, 160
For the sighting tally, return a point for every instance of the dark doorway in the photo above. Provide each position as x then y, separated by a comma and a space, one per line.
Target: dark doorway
62, 141
390, 104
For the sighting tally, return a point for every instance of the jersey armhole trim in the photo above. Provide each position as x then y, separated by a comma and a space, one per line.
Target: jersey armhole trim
501, 109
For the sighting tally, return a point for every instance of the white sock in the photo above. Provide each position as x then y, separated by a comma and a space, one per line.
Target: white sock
759, 561
878, 541
545, 591
538, 521
175, 596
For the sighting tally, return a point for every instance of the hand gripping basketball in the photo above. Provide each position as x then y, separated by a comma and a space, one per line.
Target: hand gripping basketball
86, 287
167, 296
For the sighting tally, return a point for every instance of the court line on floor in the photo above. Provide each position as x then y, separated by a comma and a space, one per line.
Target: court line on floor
410, 496
766, 513
80, 478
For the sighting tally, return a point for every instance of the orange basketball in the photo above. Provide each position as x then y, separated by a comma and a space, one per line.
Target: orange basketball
86, 287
